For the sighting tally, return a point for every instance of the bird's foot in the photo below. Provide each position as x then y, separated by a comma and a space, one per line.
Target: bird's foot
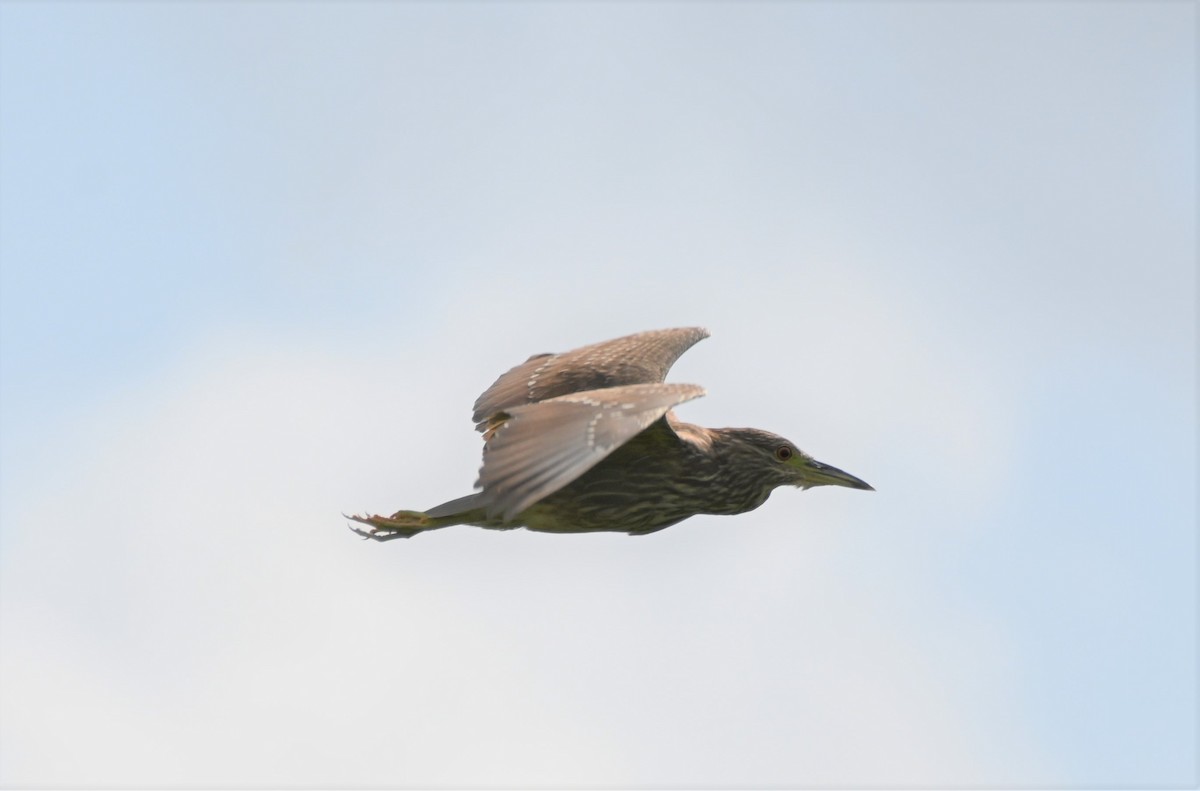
402, 524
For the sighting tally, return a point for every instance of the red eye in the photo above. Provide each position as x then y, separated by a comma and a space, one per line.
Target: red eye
783, 453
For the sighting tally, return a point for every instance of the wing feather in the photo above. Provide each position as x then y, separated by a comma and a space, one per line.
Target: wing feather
541, 447
643, 358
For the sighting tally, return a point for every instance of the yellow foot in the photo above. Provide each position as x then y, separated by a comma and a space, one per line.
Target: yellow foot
402, 524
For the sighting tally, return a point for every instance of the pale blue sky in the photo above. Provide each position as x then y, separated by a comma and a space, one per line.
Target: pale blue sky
257, 260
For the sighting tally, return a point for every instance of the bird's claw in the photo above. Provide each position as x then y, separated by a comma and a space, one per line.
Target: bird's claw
382, 528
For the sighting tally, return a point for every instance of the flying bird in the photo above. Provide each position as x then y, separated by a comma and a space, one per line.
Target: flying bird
587, 441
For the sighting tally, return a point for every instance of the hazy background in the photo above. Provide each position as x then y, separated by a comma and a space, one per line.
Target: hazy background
259, 259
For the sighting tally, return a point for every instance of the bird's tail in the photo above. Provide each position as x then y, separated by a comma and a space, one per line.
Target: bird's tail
406, 524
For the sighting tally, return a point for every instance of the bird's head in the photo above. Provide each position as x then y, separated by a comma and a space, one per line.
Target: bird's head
778, 462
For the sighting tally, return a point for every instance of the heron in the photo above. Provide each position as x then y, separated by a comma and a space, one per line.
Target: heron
587, 441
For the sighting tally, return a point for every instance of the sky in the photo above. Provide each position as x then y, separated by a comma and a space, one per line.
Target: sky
258, 259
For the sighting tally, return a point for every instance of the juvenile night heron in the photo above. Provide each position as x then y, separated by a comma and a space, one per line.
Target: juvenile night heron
586, 441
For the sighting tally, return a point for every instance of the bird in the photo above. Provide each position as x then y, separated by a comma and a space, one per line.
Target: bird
587, 441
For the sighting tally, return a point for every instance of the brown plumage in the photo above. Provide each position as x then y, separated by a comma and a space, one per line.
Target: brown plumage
585, 441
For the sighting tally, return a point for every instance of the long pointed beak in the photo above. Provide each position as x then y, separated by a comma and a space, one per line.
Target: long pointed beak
818, 474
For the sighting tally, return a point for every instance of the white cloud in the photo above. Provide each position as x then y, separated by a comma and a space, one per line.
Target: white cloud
184, 582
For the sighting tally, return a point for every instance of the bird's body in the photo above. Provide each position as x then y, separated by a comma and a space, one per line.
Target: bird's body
679, 457
585, 442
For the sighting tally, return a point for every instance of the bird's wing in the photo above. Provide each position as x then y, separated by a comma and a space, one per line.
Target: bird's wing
643, 358
536, 449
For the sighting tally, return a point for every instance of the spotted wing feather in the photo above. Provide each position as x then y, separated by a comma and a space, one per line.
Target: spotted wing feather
541, 447
643, 358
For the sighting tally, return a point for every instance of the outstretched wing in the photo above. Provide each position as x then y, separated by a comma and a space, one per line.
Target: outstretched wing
536, 449
643, 358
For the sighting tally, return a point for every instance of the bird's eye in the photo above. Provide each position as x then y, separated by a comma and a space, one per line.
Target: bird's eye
783, 453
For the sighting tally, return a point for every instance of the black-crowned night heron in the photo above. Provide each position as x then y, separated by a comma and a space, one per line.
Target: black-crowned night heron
585, 441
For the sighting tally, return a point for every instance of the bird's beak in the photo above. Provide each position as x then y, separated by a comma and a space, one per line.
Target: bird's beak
815, 473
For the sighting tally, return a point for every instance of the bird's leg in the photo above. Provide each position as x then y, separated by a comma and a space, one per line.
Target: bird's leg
402, 524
